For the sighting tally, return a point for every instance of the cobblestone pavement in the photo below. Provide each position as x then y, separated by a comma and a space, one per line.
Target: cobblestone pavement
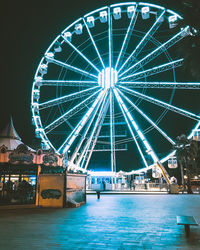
113, 222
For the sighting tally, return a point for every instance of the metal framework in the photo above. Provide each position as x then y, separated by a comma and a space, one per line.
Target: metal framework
155, 70
161, 85
88, 82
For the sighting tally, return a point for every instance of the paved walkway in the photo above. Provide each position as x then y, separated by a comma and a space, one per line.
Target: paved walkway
113, 222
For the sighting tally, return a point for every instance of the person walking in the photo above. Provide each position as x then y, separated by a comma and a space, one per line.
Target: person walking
98, 195
104, 185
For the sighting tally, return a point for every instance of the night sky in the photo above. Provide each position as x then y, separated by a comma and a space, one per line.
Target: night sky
27, 29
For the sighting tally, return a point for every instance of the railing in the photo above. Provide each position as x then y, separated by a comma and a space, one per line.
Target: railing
149, 187
140, 187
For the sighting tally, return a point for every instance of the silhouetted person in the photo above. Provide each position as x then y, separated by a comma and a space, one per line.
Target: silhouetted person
98, 195
104, 185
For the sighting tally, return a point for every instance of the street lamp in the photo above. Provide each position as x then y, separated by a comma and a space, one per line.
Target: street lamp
68, 154
66, 158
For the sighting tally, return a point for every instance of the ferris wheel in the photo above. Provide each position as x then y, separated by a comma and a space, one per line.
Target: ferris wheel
110, 80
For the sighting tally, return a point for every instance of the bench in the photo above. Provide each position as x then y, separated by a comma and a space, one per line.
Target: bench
187, 221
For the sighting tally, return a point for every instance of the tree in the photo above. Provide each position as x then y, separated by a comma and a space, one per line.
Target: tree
186, 153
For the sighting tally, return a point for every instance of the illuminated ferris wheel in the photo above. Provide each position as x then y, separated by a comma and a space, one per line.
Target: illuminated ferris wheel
108, 81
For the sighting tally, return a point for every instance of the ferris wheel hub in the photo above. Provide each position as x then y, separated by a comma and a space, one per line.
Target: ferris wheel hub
107, 78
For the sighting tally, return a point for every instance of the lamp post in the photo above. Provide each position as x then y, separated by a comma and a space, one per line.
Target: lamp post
65, 176
68, 151
180, 148
67, 158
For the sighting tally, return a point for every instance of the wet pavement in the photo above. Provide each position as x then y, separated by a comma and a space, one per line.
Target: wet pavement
113, 222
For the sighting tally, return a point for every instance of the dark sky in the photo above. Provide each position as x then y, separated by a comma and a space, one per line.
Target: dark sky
27, 29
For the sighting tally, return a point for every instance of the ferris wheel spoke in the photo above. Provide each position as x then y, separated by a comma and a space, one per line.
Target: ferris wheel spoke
161, 103
145, 39
67, 83
161, 85
70, 113
158, 51
148, 147
84, 136
68, 142
112, 132
93, 42
89, 141
110, 38
127, 117
81, 54
68, 66
195, 128
91, 146
127, 37
155, 70
90, 150
66, 98
147, 118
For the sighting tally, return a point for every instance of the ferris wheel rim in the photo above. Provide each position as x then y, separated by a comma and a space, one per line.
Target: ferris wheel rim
71, 25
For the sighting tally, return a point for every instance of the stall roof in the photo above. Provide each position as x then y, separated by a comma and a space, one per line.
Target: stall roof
10, 138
